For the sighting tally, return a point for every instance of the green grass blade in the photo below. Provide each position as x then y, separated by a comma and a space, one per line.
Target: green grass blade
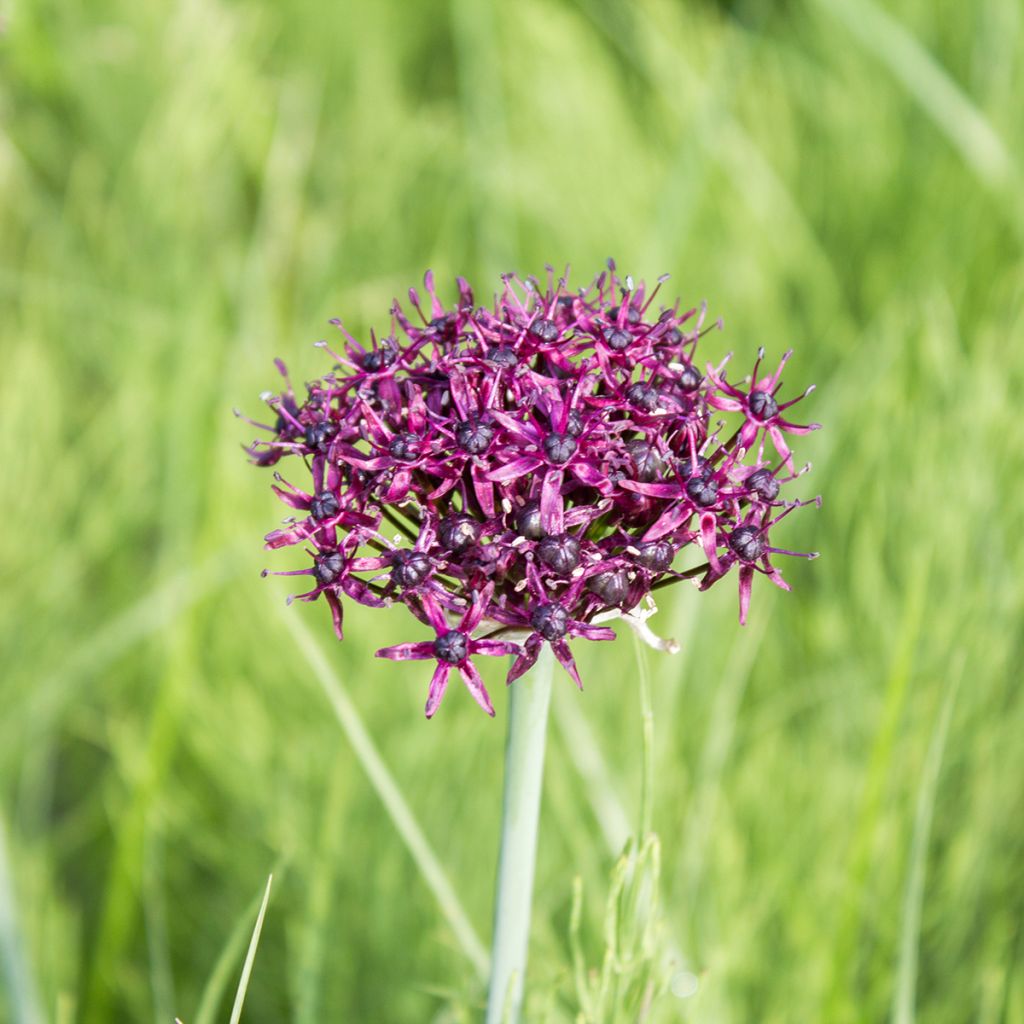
21, 988
395, 804
250, 957
903, 1011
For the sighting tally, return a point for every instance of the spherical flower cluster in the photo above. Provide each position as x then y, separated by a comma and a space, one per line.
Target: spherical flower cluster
516, 475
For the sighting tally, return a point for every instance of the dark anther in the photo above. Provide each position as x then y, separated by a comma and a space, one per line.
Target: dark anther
612, 586
318, 435
560, 552
550, 620
324, 506
559, 448
690, 378
762, 405
457, 532
544, 330
528, 521
327, 568
503, 357
747, 542
452, 647
702, 491
409, 568
617, 339
402, 447
655, 555
763, 484
473, 436
379, 359
643, 396
647, 461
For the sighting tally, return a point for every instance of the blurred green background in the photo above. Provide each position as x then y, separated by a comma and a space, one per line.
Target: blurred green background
191, 188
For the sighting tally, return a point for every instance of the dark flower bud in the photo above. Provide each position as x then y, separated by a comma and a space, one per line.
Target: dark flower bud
318, 435
528, 521
550, 620
763, 484
327, 568
282, 425
617, 339
544, 330
655, 555
612, 586
452, 647
685, 466
559, 448
503, 357
560, 552
762, 405
379, 359
747, 542
643, 396
402, 447
673, 336
445, 326
457, 532
702, 492
324, 506
574, 423
409, 568
647, 461
474, 437
690, 378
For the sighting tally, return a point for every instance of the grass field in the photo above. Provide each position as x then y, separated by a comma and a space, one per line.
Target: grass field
189, 189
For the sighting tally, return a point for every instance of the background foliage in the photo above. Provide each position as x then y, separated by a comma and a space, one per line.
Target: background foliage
191, 188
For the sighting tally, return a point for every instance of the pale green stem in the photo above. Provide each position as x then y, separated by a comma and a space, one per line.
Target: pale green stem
647, 722
524, 772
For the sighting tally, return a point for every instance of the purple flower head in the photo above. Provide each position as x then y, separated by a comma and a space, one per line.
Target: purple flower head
516, 475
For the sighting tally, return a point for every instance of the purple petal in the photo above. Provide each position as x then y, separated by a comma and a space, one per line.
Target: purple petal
475, 685
408, 652
551, 505
438, 684
516, 468
565, 659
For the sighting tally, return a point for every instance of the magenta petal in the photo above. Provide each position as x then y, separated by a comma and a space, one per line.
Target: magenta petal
515, 468
551, 504
495, 647
473, 617
435, 614
594, 632
709, 538
408, 652
475, 685
483, 489
565, 659
523, 663
746, 582
337, 614
438, 684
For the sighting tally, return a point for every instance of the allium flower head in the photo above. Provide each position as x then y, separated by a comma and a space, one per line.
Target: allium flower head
517, 474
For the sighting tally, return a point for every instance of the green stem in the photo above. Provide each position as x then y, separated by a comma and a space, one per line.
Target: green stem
524, 772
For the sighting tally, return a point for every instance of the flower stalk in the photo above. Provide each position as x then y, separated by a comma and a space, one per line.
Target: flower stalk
529, 700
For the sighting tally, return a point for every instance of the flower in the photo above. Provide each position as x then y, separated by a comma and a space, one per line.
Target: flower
515, 474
